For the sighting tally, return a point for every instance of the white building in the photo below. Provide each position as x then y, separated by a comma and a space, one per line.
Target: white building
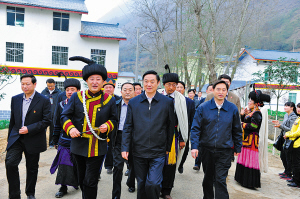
254, 60
124, 77
38, 36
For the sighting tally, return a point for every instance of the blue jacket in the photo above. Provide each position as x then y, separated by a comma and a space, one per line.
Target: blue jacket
150, 127
217, 130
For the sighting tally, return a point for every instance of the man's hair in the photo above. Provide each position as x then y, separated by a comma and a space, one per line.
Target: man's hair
152, 72
199, 91
50, 81
225, 77
137, 84
183, 84
127, 83
191, 90
209, 86
33, 79
220, 82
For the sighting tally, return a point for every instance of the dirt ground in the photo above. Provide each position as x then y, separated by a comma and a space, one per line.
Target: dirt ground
187, 185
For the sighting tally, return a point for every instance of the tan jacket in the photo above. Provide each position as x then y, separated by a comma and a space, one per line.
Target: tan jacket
231, 98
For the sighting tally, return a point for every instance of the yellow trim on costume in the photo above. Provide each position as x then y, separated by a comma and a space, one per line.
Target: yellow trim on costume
65, 124
80, 96
172, 154
69, 128
90, 137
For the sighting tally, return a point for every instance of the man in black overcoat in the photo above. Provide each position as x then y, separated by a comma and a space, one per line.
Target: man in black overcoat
149, 125
30, 116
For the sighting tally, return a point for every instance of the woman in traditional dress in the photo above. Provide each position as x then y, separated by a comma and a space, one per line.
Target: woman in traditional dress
247, 169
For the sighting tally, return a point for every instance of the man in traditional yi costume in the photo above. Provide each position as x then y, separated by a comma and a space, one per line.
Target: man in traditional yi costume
180, 136
88, 118
65, 174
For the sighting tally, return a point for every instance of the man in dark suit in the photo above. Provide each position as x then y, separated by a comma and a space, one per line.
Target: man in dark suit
190, 105
149, 125
127, 91
30, 116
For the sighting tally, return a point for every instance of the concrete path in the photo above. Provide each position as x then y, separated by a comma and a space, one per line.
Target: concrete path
187, 185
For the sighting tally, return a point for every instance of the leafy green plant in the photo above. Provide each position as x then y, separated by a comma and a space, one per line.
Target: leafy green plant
4, 124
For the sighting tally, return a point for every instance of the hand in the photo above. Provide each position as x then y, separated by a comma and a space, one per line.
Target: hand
55, 146
276, 122
284, 137
181, 145
236, 154
125, 155
74, 133
103, 128
194, 153
167, 152
277, 125
242, 111
23, 130
246, 111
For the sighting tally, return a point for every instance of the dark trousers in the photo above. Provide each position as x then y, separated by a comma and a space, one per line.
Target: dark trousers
149, 176
118, 167
216, 163
108, 164
51, 134
199, 158
286, 158
185, 154
12, 161
131, 176
169, 172
296, 165
87, 170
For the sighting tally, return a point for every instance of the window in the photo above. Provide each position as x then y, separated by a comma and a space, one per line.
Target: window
119, 85
59, 55
14, 52
61, 21
60, 86
292, 97
15, 16
98, 56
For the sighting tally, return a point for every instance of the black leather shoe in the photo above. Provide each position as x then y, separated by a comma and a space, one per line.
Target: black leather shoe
131, 189
180, 170
60, 194
197, 168
127, 172
293, 184
30, 197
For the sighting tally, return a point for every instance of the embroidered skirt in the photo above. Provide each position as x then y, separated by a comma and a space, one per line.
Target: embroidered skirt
247, 169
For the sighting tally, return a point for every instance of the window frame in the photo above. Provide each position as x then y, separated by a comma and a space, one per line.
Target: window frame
60, 53
16, 13
61, 18
15, 47
291, 96
99, 57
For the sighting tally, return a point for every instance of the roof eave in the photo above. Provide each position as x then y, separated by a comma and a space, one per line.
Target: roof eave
102, 37
45, 8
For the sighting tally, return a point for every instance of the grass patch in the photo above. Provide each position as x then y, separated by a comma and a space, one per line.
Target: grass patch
270, 150
4, 124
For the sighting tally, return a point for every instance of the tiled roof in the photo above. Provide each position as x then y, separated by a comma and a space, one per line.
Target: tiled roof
101, 30
271, 54
235, 84
128, 74
67, 5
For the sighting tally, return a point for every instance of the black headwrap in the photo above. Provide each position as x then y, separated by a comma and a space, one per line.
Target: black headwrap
170, 77
91, 69
258, 97
72, 82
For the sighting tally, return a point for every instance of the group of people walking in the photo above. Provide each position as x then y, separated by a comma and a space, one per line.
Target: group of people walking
150, 131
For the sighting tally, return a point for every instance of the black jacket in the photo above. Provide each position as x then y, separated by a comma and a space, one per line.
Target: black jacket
150, 127
37, 120
54, 95
103, 109
114, 132
215, 129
